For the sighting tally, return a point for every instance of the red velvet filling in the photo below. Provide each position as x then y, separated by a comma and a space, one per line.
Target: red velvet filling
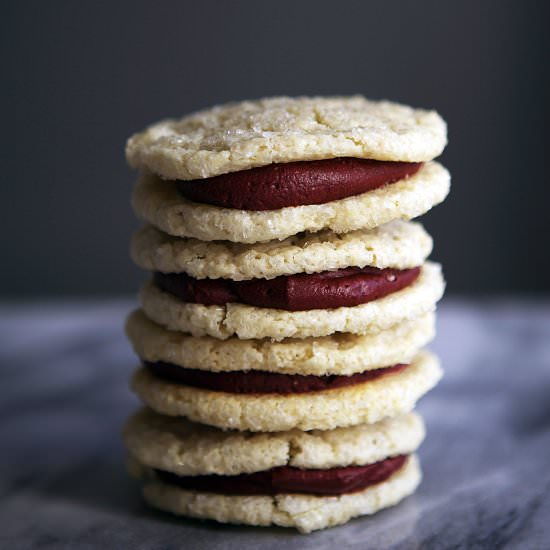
330, 289
262, 381
296, 183
286, 479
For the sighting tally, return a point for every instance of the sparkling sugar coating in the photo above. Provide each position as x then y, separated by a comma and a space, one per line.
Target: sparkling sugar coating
239, 136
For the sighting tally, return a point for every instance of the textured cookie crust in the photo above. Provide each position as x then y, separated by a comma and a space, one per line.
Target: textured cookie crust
186, 448
398, 244
369, 402
238, 136
249, 322
341, 353
304, 512
160, 204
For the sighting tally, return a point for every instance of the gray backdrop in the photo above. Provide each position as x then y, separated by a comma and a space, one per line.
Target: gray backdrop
79, 77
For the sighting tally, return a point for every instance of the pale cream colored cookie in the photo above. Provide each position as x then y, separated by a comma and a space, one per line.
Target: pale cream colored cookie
160, 204
304, 512
239, 136
398, 244
367, 402
249, 322
341, 353
186, 448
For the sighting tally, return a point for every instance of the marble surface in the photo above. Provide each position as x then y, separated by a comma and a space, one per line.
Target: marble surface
64, 370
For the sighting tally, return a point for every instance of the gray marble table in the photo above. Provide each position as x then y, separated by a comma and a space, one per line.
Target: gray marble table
64, 370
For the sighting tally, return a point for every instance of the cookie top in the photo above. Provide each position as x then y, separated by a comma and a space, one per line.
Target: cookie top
186, 448
341, 354
398, 244
239, 136
160, 204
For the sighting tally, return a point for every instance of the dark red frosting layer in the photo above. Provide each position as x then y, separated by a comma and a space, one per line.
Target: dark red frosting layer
262, 381
296, 183
330, 289
286, 479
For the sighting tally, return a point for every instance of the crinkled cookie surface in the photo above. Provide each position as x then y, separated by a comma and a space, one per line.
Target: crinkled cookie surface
239, 136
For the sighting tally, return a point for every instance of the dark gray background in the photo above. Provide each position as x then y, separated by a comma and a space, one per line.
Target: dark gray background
80, 77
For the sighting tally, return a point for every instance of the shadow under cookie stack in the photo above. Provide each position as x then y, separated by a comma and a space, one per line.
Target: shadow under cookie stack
281, 333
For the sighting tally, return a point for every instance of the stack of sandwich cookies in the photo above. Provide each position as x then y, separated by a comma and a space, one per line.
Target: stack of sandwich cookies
289, 303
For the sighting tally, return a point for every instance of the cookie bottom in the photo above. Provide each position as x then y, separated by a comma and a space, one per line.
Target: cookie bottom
159, 203
304, 512
368, 402
250, 322
176, 445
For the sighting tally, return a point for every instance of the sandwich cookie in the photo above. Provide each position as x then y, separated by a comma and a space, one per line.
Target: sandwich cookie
282, 478
276, 402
